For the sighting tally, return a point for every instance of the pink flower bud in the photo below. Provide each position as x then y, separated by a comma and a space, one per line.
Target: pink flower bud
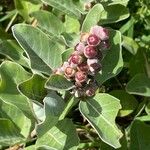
80, 76
75, 59
64, 66
93, 40
83, 67
101, 32
90, 52
92, 61
59, 71
80, 48
69, 72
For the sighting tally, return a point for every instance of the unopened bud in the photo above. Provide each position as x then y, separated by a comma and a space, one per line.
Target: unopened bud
93, 40
80, 76
80, 48
90, 91
90, 52
101, 32
69, 72
75, 59
83, 67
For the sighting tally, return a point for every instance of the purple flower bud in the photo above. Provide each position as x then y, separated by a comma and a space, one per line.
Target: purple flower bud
69, 72
83, 67
80, 77
93, 40
101, 32
90, 52
94, 65
75, 59
90, 91
80, 48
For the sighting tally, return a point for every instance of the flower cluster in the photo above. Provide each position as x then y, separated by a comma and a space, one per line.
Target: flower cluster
85, 61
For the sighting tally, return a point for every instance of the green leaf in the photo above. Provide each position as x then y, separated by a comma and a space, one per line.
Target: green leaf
33, 88
112, 63
58, 82
114, 13
68, 7
139, 136
53, 106
128, 102
13, 51
48, 22
137, 63
11, 75
71, 25
44, 54
101, 112
14, 114
62, 136
139, 85
92, 18
9, 133
130, 45
66, 54
147, 108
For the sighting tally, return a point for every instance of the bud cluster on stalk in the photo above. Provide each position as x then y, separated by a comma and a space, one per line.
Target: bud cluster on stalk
85, 61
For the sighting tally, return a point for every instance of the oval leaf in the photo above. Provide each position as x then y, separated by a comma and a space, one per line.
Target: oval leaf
101, 112
58, 82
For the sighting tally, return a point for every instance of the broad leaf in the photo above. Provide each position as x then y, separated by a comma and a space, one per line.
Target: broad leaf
61, 137
139, 85
14, 114
11, 75
53, 106
9, 133
44, 54
139, 136
68, 7
112, 63
48, 22
128, 102
92, 18
101, 112
13, 51
58, 82
33, 88
114, 13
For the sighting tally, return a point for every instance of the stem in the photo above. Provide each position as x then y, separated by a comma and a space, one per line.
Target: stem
11, 21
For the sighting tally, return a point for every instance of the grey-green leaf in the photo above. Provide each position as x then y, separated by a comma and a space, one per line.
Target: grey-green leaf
58, 82
139, 85
61, 137
53, 106
112, 63
92, 18
68, 7
11, 75
9, 133
33, 88
101, 112
49, 22
44, 53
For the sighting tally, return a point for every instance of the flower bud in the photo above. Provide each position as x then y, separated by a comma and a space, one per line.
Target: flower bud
59, 71
101, 32
90, 52
90, 91
80, 77
80, 48
94, 65
83, 67
69, 72
93, 40
75, 59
